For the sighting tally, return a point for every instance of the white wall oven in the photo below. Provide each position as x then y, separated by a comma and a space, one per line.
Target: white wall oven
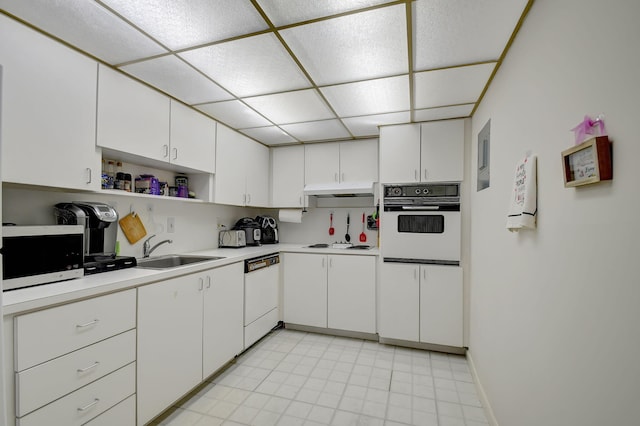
421, 223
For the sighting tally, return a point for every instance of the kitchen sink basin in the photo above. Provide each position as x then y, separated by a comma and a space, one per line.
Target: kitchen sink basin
173, 261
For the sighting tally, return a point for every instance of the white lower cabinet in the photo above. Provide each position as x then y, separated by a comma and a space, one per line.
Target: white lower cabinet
75, 361
330, 291
122, 414
188, 327
421, 303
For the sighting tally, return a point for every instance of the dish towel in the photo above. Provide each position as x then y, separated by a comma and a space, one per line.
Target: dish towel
524, 197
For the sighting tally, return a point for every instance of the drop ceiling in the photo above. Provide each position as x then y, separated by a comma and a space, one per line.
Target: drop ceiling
292, 71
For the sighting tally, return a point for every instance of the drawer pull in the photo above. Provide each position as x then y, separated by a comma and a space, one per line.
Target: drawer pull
91, 404
90, 323
83, 370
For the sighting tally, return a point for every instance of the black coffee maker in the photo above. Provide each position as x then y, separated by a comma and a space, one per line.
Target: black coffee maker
100, 223
269, 229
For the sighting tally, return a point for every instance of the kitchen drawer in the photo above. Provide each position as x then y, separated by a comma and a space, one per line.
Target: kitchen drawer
260, 327
39, 385
123, 414
44, 335
79, 407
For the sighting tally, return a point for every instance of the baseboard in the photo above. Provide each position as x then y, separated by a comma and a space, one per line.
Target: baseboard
482, 395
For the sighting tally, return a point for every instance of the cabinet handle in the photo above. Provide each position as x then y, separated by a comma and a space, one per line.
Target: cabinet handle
301, 200
88, 175
424, 274
323, 262
166, 150
330, 262
208, 281
201, 286
425, 174
175, 153
87, 324
94, 365
91, 404
342, 179
415, 174
248, 198
335, 176
415, 274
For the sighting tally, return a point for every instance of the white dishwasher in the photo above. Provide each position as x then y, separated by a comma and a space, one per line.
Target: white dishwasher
261, 295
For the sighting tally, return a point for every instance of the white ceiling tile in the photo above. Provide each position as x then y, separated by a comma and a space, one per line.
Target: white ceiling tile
317, 130
250, 66
291, 107
369, 97
181, 24
456, 32
271, 135
368, 124
457, 111
284, 12
234, 114
178, 79
452, 86
88, 26
361, 46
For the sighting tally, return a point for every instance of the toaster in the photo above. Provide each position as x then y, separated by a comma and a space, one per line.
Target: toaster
233, 238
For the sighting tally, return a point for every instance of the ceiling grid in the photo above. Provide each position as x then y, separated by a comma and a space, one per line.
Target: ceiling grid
296, 71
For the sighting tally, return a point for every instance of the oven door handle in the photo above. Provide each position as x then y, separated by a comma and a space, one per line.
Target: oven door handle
421, 208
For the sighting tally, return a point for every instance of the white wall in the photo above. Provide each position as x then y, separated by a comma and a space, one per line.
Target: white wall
555, 313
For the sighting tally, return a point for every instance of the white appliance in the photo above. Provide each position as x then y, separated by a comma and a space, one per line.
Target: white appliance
421, 223
3, 407
261, 295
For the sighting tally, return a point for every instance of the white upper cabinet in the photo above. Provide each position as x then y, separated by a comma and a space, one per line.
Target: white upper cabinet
442, 152
48, 111
242, 170
353, 161
359, 161
193, 139
400, 153
427, 152
132, 118
135, 119
321, 163
287, 176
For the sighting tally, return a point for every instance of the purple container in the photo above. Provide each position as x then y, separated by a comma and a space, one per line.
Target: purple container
183, 191
147, 184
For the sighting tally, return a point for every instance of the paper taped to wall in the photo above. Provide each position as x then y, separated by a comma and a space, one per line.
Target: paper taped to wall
523, 207
290, 215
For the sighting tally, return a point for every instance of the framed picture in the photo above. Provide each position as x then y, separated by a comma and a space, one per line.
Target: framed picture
589, 162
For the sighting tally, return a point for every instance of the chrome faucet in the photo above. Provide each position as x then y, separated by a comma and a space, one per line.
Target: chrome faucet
146, 251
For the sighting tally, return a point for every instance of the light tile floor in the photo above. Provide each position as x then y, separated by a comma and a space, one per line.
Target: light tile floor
293, 378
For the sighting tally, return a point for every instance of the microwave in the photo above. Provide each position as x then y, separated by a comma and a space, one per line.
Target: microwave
33, 255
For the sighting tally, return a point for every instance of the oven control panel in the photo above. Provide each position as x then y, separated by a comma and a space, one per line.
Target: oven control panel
425, 190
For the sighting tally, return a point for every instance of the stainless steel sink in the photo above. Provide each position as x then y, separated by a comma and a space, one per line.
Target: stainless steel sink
173, 261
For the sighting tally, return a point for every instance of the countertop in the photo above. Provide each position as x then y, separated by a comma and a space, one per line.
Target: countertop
38, 297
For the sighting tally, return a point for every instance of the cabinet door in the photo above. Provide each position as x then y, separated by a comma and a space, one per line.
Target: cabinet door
321, 163
305, 289
287, 176
400, 153
359, 161
399, 300
132, 118
223, 318
231, 151
169, 342
441, 305
193, 139
257, 174
48, 111
442, 154
352, 293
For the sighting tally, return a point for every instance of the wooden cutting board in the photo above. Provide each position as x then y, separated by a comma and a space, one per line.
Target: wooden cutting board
132, 227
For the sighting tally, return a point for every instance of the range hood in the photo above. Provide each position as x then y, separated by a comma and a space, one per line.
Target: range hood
343, 189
